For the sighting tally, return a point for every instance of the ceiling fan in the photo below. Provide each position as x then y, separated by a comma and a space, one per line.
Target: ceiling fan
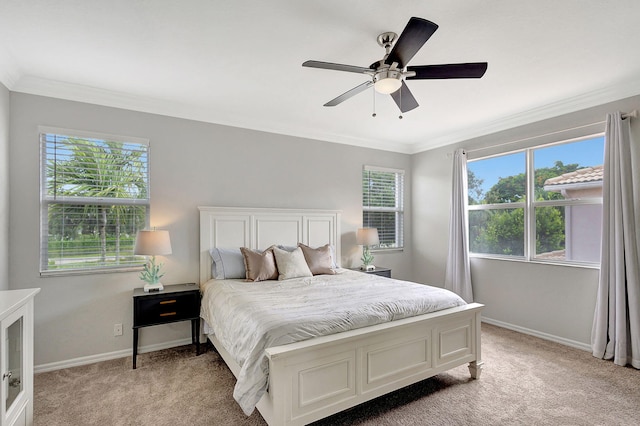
388, 74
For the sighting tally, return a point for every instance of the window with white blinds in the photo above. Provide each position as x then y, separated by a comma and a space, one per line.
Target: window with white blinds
94, 198
383, 205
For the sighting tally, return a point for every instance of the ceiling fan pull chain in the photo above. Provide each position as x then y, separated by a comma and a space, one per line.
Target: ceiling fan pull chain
374, 103
400, 116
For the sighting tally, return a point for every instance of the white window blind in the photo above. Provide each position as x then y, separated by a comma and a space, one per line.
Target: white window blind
94, 198
383, 205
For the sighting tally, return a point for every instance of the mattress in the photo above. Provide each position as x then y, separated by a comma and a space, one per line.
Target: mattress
249, 317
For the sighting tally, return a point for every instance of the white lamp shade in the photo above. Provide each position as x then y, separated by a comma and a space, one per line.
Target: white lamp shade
367, 236
152, 243
387, 86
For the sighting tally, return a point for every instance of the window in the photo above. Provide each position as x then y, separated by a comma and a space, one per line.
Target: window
542, 203
383, 205
94, 198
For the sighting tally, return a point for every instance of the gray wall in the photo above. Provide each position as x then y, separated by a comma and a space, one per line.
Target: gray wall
194, 163
191, 164
4, 187
557, 301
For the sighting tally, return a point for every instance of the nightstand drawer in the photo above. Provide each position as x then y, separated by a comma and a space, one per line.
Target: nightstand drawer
381, 271
152, 310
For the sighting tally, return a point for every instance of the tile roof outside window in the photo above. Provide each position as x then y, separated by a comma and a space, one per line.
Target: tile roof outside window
588, 174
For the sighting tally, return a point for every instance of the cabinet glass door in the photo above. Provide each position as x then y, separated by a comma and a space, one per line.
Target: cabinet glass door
12, 377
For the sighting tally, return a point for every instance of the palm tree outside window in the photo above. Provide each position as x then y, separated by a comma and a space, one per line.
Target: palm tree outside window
94, 198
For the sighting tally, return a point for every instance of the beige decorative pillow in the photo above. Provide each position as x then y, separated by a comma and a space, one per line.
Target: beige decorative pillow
260, 266
291, 264
318, 259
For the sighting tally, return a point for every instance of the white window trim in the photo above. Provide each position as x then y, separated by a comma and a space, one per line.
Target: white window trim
94, 135
529, 208
399, 193
45, 200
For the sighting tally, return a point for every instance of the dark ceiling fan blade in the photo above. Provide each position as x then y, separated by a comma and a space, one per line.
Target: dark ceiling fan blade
469, 70
350, 93
413, 37
405, 100
336, 67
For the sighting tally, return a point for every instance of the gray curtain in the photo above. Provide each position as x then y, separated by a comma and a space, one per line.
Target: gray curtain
458, 273
616, 325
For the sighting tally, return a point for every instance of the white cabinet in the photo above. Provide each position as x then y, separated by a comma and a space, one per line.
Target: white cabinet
16, 357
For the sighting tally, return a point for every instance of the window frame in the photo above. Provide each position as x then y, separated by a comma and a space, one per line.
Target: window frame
398, 209
530, 205
46, 200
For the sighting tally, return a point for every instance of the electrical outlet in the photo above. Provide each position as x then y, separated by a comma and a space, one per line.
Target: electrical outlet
117, 329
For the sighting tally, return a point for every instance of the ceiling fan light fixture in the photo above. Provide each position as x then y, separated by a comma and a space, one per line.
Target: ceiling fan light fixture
387, 82
387, 75
387, 85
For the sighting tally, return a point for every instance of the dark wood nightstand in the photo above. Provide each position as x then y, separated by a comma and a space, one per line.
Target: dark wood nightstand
383, 272
180, 302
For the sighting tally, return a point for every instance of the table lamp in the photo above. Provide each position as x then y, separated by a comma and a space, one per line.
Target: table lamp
151, 243
367, 237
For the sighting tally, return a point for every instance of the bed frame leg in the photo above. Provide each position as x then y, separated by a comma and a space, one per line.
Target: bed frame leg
475, 368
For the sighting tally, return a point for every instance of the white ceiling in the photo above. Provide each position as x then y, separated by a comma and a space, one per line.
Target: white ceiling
239, 62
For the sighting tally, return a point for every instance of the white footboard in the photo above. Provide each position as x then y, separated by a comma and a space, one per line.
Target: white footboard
313, 379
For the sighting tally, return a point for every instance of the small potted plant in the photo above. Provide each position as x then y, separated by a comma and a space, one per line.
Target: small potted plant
151, 275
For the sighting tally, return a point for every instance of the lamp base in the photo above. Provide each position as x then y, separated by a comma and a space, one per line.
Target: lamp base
153, 287
368, 268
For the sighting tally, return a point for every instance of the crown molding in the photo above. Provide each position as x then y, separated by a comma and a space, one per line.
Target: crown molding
79, 93
9, 73
554, 109
74, 92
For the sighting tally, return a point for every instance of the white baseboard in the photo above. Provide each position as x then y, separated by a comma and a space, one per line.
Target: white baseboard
540, 334
75, 362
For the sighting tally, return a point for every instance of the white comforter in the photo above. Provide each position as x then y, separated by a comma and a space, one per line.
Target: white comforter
248, 317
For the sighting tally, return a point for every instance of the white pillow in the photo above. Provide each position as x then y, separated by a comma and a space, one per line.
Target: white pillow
334, 261
227, 263
291, 264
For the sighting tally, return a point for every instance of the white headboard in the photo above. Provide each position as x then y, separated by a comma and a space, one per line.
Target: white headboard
258, 228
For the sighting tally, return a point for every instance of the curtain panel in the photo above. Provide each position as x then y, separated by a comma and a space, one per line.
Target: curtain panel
458, 272
616, 325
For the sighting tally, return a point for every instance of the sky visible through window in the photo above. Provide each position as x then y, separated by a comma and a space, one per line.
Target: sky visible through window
586, 153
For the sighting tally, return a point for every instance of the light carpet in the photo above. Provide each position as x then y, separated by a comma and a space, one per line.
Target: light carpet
525, 381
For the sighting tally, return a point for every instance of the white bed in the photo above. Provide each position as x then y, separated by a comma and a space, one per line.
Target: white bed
312, 379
